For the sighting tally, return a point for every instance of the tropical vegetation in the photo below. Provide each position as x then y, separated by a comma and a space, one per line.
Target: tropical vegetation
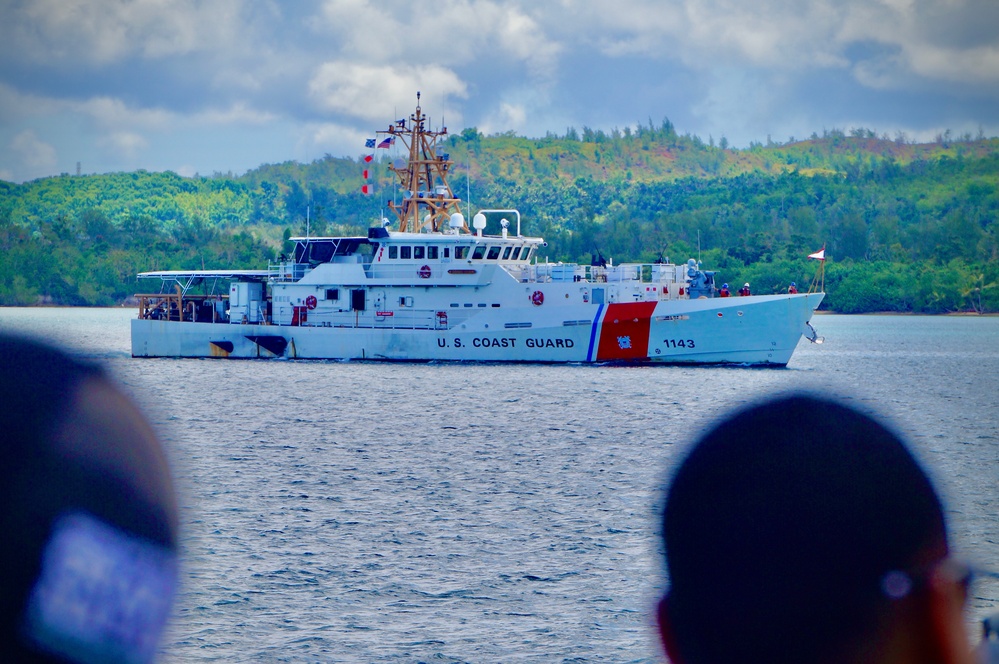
907, 227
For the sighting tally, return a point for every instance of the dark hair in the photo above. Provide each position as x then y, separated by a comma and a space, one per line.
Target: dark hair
779, 526
53, 466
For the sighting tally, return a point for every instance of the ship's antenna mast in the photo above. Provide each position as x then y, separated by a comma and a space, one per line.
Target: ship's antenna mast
427, 197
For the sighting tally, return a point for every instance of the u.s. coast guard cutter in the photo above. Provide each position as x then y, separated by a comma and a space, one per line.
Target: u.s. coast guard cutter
436, 290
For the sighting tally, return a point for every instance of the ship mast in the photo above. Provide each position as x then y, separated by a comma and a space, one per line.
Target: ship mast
428, 199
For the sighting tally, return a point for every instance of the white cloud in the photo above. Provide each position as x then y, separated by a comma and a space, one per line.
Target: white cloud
329, 133
148, 77
508, 117
361, 26
126, 143
123, 130
16, 105
34, 154
103, 31
916, 38
974, 65
249, 81
237, 113
113, 113
708, 33
919, 42
449, 33
378, 92
332, 138
521, 36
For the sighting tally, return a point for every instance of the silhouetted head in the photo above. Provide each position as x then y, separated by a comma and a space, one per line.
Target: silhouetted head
88, 523
782, 527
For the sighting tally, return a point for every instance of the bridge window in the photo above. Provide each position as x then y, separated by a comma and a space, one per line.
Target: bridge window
494, 252
405, 252
479, 252
432, 253
419, 251
460, 252
393, 252
506, 253
332, 293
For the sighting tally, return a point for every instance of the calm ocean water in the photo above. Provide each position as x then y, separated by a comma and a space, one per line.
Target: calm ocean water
361, 512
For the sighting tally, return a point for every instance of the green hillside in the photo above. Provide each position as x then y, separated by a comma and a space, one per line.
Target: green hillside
907, 227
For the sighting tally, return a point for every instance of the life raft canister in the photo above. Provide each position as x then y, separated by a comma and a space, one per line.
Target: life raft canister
311, 302
424, 272
537, 298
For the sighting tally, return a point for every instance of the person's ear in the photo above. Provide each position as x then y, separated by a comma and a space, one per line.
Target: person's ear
666, 635
948, 635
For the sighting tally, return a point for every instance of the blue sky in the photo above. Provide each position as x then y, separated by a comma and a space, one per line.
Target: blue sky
203, 86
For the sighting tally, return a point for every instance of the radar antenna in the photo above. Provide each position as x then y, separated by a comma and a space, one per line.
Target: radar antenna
427, 199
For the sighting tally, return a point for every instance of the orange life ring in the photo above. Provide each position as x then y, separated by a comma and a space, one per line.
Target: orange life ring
424, 272
311, 302
537, 298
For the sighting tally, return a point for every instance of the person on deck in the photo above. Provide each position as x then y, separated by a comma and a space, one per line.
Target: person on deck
745, 289
802, 530
89, 516
724, 291
792, 289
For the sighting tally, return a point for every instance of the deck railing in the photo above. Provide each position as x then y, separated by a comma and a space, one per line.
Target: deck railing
177, 307
523, 272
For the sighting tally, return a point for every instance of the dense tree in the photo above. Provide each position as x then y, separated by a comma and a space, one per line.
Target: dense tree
908, 227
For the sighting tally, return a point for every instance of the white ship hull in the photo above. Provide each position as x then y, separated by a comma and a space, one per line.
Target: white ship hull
755, 330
